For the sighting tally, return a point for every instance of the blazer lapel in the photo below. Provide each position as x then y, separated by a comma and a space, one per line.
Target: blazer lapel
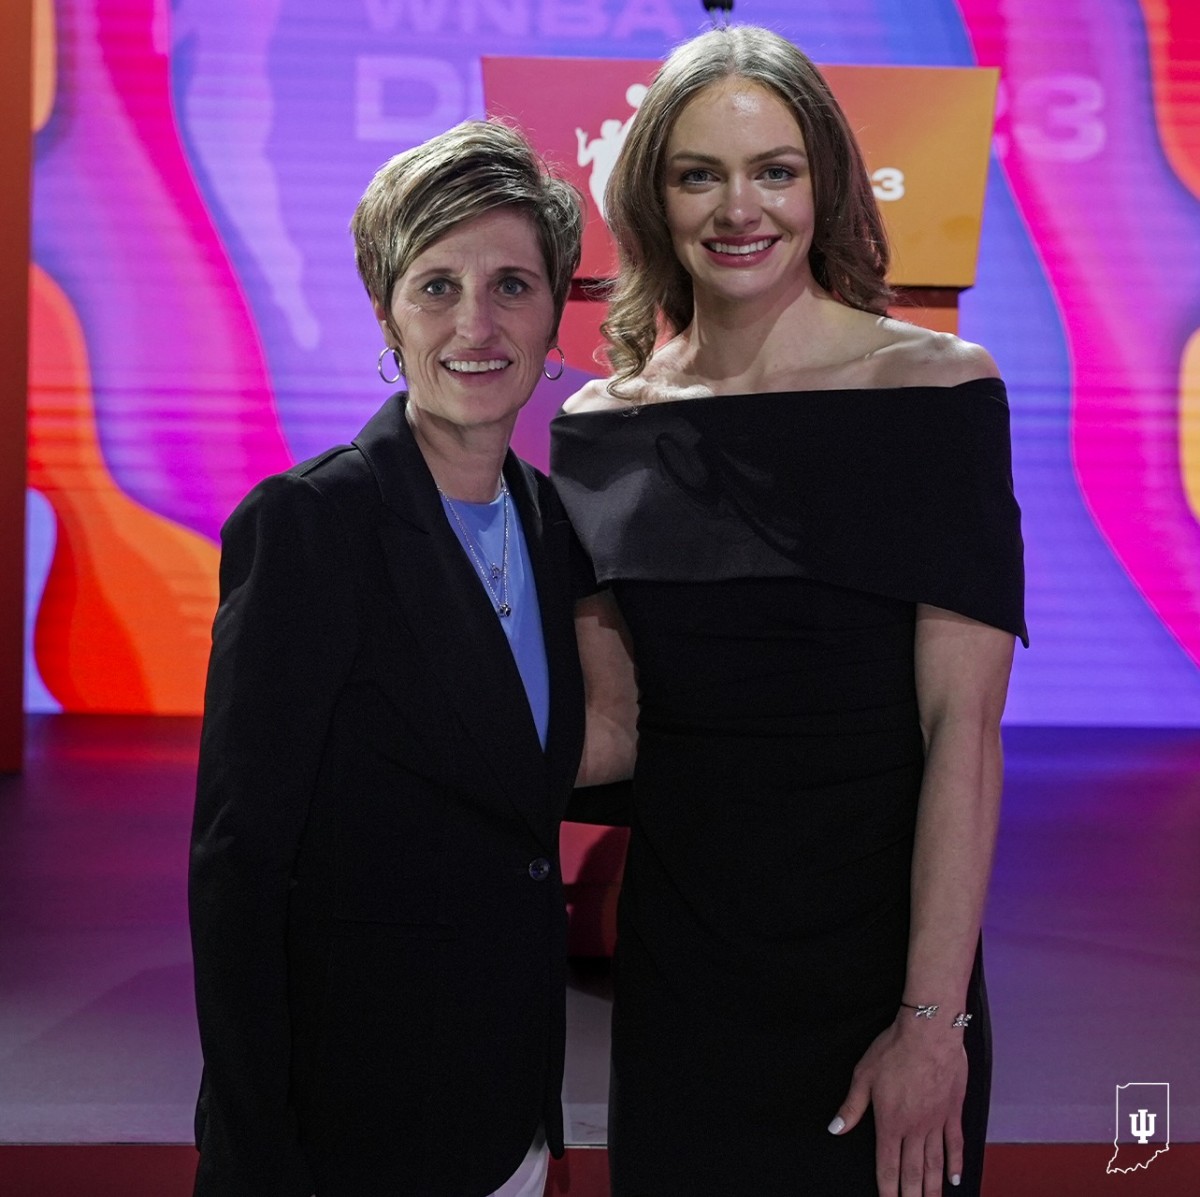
548, 539
448, 612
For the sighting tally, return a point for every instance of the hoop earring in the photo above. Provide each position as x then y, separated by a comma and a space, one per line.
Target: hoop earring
399, 364
562, 365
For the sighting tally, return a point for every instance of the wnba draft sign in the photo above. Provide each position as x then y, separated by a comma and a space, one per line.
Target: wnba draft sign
1143, 1129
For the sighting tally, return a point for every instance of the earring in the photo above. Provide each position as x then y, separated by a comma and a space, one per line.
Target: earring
396, 358
562, 365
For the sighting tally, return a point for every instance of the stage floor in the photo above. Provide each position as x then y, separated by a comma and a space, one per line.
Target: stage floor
1093, 937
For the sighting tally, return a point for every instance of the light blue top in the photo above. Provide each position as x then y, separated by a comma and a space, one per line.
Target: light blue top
485, 522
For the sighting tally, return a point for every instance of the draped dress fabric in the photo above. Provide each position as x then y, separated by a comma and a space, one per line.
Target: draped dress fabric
767, 552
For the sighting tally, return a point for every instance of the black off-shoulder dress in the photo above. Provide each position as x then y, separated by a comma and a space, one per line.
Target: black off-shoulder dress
768, 552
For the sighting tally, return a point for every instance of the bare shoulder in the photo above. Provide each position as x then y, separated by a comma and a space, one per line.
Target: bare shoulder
919, 357
951, 361
594, 395
656, 384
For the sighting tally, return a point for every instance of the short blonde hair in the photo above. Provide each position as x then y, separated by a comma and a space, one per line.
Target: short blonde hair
419, 196
653, 292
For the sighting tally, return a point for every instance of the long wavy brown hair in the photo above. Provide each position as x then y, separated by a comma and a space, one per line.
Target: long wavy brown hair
653, 293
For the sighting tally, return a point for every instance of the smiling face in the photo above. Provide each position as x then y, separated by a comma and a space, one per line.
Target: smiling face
473, 316
738, 195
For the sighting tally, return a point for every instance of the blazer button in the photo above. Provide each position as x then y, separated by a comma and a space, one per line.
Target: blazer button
539, 869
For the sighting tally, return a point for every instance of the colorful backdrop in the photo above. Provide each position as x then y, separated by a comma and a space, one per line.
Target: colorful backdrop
196, 321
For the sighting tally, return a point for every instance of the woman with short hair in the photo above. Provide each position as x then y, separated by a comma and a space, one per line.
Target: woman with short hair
393, 724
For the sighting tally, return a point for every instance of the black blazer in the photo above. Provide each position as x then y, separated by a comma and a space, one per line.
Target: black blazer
376, 901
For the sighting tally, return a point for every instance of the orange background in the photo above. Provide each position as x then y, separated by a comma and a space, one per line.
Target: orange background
932, 123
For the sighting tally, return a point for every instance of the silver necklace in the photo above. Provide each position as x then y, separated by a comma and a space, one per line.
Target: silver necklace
493, 573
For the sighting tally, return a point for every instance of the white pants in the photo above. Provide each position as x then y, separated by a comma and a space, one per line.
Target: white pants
529, 1180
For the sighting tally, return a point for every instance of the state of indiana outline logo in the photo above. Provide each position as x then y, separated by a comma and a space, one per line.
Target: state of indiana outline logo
1143, 1126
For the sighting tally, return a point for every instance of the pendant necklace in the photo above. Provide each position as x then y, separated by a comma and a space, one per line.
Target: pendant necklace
492, 573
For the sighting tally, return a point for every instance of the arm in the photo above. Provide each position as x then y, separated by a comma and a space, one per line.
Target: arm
914, 1074
610, 688
282, 643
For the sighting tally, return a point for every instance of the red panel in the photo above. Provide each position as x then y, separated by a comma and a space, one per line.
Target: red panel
1174, 40
16, 41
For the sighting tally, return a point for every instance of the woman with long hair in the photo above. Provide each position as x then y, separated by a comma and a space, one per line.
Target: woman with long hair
801, 515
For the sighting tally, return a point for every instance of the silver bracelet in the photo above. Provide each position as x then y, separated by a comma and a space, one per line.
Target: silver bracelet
921, 1011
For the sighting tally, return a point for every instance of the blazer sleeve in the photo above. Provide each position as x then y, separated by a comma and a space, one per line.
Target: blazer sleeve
608, 805
283, 642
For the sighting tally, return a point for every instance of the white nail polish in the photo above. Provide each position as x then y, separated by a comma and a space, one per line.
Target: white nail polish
956, 1179
837, 1126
